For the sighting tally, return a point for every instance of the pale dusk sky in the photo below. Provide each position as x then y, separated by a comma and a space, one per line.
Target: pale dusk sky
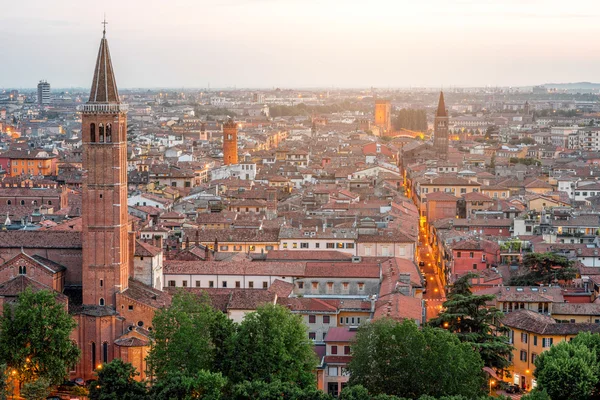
302, 43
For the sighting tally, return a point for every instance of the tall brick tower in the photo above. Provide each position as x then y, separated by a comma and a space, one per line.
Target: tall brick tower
230, 148
105, 228
440, 129
383, 115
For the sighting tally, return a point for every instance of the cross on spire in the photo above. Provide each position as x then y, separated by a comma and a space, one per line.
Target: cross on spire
104, 29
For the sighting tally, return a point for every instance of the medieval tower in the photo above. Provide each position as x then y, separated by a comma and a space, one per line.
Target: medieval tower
105, 228
383, 116
440, 129
230, 148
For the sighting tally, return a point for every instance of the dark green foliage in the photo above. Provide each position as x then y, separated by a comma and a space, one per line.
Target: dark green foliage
275, 390
177, 386
182, 336
536, 395
35, 337
116, 382
401, 359
271, 344
411, 119
544, 268
568, 371
524, 161
469, 317
36, 390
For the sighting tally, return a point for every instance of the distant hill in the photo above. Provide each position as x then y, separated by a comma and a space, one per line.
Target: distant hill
574, 85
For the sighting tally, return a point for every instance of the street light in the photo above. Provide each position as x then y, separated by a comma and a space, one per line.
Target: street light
492, 383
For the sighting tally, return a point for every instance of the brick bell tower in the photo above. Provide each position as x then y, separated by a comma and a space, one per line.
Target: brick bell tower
230, 148
440, 129
105, 220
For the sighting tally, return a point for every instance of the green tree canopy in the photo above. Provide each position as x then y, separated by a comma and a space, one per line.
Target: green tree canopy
567, 371
116, 381
469, 317
271, 344
38, 389
402, 360
35, 337
182, 336
275, 390
203, 385
544, 268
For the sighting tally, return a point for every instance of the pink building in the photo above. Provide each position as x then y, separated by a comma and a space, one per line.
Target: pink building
473, 255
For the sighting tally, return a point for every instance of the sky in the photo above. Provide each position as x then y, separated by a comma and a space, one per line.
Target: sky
302, 43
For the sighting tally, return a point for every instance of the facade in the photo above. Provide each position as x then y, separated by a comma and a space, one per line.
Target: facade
383, 116
440, 129
230, 149
43, 93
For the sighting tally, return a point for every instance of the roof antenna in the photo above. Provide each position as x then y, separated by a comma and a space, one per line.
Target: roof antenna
104, 29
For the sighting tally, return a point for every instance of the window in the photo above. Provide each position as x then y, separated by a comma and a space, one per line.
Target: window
349, 245
533, 357
285, 245
535, 340
329, 286
317, 245
104, 352
312, 335
523, 355
184, 283
300, 285
171, 284
361, 286
312, 319
211, 284
471, 254
346, 349
224, 284
130, 307
265, 285
294, 245
523, 337
101, 282
251, 284
197, 283
345, 286
92, 132
23, 270
325, 319
474, 266
101, 302
304, 245
458, 254
108, 133
315, 285
93, 357
223, 248
238, 284
333, 349
333, 371
330, 245
8, 202
140, 323
101, 133
22, 202
547, 342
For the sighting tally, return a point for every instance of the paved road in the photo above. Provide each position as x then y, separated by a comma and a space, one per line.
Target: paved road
435, 295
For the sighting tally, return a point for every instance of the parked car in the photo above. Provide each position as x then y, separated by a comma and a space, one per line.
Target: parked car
421, 263
513, 389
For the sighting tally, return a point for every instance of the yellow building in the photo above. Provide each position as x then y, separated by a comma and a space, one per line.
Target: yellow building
532, 333
383, 115
32, 162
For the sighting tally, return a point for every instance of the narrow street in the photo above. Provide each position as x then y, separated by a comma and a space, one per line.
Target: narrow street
435, 294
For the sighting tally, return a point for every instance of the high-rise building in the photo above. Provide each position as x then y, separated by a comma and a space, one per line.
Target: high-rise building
43, 93
383, 115
230, 148
440, 129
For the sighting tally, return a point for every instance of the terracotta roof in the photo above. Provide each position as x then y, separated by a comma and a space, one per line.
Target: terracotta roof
281, 288
131, 342
530, 294
40, 239
146, 295
234, 267
144, 249
314, 255
339, 334
337, 359
531, 321
576, 308
250, 299
440, 196
342, 270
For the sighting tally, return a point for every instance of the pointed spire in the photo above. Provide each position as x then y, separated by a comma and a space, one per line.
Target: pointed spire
104, 85
441, 110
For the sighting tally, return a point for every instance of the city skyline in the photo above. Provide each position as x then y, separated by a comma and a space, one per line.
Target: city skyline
266, 43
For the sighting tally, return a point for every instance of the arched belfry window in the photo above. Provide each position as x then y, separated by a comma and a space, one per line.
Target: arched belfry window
23, 270
101, 133
92, 132
108, 133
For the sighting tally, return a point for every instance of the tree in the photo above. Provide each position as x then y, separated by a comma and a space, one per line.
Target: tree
182, 336
474, 322
275, 390
493, 161
271, 344
116, 381
35, 337
38, 389
402, 360
536, 395
568, 371
544, 268
203, 385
